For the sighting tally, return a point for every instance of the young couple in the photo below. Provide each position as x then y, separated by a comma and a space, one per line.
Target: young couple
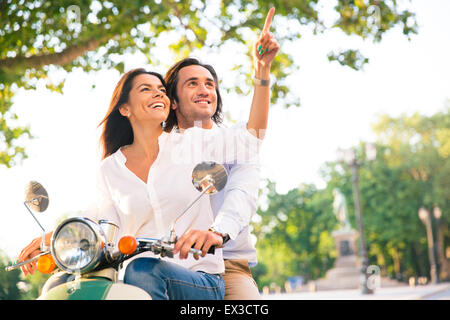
144, 179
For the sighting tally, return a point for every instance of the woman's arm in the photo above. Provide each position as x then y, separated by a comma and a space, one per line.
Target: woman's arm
264, 51
30, 251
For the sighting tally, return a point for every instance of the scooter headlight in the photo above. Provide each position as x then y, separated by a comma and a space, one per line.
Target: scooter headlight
78, 245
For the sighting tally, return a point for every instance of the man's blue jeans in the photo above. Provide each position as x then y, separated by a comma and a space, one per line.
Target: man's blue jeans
165, 280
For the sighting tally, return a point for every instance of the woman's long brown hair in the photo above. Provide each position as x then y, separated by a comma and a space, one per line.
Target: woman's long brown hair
117, 130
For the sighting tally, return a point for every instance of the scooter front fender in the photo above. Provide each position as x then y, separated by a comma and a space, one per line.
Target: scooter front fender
94, 289
79, 289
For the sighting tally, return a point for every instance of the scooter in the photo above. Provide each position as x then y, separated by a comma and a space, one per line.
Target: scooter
86, 253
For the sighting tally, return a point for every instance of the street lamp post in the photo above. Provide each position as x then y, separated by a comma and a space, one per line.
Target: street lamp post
425, 217
443, 268
349, 157
363, 249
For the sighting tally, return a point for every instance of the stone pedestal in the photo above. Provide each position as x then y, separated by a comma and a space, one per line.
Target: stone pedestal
347, 267
346, 273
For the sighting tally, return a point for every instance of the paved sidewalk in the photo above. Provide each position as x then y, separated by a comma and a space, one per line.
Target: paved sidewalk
428, 292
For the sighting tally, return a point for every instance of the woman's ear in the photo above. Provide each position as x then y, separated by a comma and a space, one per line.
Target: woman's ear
124, 110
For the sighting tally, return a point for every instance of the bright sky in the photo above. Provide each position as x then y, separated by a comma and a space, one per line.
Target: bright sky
338, 106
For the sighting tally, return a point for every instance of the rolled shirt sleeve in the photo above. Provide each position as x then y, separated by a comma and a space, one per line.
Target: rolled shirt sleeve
239, 200
241, 150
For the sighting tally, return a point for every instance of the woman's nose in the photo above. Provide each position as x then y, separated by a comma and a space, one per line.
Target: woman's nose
159, 93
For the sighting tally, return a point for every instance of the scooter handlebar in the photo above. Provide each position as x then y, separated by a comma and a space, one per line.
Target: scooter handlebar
159, 245
20, 264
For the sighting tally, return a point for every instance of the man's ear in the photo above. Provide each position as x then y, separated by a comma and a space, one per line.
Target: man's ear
174, 105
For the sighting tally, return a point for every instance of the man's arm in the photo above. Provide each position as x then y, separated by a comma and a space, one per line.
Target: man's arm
264, 52
240, 198
234, 215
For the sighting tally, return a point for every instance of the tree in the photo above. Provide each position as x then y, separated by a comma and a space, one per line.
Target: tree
13, 286
420, 146
294, 235
411, 170
40, 36
8, 281
416, 148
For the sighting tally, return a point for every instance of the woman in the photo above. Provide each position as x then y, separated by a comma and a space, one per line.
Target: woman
131, 182
133, 141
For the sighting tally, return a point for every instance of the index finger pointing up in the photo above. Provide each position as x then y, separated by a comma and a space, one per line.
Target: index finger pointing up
268, 20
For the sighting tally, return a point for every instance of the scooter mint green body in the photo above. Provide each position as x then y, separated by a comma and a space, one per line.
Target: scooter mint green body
96, 286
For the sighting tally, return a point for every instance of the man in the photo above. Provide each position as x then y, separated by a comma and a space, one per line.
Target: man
194, 90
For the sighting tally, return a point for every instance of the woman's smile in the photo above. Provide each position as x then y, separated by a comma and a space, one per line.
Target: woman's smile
158, 105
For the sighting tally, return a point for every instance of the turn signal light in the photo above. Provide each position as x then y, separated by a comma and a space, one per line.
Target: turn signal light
127, 245
46, 264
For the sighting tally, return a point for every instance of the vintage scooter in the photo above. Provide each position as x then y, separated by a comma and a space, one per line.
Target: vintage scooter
86, 253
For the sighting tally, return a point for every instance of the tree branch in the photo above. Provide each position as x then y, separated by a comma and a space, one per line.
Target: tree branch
61, 58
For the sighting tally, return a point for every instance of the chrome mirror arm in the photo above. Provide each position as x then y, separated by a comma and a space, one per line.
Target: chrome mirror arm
43, 246
172, 235
207, 177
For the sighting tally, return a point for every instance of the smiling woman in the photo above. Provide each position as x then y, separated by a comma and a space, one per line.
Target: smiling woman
137, 87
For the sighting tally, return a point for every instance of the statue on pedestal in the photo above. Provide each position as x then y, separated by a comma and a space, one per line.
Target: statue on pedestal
346, 271
340, 209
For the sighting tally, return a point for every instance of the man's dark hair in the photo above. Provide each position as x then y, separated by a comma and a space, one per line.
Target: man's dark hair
171, 80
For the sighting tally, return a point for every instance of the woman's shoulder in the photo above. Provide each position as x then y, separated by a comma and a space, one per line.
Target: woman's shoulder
110, 160
104, 162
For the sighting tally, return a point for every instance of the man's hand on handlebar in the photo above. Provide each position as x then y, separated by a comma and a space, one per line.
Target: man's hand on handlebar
198, 239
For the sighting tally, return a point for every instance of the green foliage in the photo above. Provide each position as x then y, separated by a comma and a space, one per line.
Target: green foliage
8, 281
37, 37
13, 286
352, 58
10, 153
370, 19
35, 282
294, 235
411, 170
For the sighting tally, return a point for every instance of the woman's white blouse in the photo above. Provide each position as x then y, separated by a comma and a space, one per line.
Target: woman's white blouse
148, 209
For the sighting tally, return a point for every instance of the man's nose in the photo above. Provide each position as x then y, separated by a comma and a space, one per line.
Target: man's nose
202, 89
